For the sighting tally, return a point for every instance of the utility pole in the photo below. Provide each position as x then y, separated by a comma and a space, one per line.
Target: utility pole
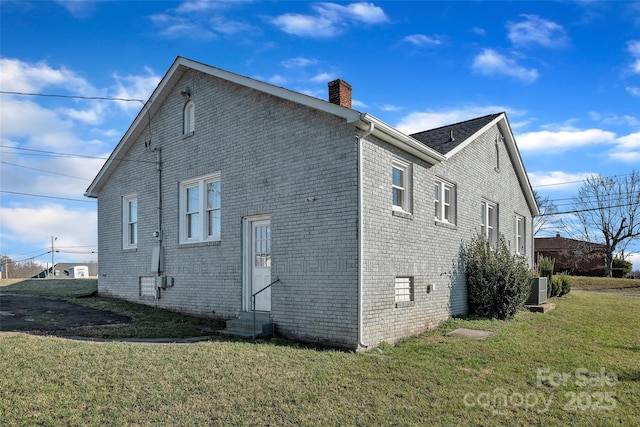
53, 264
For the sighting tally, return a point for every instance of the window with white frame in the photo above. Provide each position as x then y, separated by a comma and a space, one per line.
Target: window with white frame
400, 185
189, 119
520, 227
130, 221
489, 221
403, 289
200, 217
444, 200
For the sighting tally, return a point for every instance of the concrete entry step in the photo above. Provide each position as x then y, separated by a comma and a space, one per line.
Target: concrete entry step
541, 308
243, 327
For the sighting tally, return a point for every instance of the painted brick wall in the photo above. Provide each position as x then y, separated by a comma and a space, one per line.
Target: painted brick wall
272, 155
421, 247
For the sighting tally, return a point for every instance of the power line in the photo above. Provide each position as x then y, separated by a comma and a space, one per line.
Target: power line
60, 154
46, 197
53, 95
587, 210
581, 180
32, 258
42, 170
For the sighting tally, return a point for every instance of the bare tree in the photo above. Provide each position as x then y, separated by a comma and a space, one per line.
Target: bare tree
609, 211
549, 219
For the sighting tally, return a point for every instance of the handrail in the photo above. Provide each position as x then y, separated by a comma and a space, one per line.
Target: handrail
253, 303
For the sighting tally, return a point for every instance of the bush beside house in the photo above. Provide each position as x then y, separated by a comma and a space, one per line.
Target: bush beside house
498, 282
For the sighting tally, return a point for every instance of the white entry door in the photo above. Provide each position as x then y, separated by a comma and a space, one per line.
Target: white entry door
261, 263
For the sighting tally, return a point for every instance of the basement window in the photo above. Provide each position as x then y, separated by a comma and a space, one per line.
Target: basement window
147, 286
404, 291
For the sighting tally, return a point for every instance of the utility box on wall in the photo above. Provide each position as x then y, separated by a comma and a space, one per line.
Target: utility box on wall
538, 294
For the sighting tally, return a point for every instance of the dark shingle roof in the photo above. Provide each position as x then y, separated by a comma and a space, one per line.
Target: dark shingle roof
439, 138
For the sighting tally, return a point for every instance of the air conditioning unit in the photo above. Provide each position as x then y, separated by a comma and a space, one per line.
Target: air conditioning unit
538, 294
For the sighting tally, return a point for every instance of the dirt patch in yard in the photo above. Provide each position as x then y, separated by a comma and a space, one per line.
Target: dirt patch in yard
30, 313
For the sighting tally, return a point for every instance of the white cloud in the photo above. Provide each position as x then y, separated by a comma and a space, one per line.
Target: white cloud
627, 149
73, 226
78, 8
421, 40
633, 90
563, 140
330, 19
557, 180
224, 26
536, 30
362, 12
615, 119
634, 49
306, 25
420, 121
177, 26
389, 107
277, 79
489, 62
20, 76
299, 62
479, 31
324, 77
138, 87
635, 260
355, 103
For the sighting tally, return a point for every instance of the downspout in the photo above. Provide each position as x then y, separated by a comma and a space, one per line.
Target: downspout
360, 231
159, 190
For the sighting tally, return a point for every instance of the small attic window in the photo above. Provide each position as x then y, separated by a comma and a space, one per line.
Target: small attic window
189, 118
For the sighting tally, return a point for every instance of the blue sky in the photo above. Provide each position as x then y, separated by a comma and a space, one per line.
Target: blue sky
567, 74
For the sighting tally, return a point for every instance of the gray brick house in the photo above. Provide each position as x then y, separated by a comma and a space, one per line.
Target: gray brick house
224, 184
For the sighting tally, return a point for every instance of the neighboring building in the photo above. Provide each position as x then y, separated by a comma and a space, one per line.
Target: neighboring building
67, 270
575, 257
224, 184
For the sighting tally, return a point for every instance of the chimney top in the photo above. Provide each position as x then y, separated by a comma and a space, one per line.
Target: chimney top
340, 93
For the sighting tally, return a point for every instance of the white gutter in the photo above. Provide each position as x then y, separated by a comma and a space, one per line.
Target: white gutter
368, 132
400, 140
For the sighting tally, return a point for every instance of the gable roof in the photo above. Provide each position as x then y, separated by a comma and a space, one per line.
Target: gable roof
428, 146
440, 138
181, 65
559, 243
464, 133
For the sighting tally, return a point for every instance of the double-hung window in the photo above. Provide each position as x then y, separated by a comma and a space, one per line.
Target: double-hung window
520, 227
130, 221
444, 200
489, 221
200, 217
400, 186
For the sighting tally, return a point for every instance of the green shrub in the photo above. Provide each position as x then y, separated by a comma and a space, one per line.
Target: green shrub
545, 269
554, 287
621, 268
498, 282
566, 284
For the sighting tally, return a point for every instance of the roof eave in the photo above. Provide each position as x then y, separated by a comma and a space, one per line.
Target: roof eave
400, 140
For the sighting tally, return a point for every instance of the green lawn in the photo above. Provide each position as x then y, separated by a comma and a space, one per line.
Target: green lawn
576, 365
